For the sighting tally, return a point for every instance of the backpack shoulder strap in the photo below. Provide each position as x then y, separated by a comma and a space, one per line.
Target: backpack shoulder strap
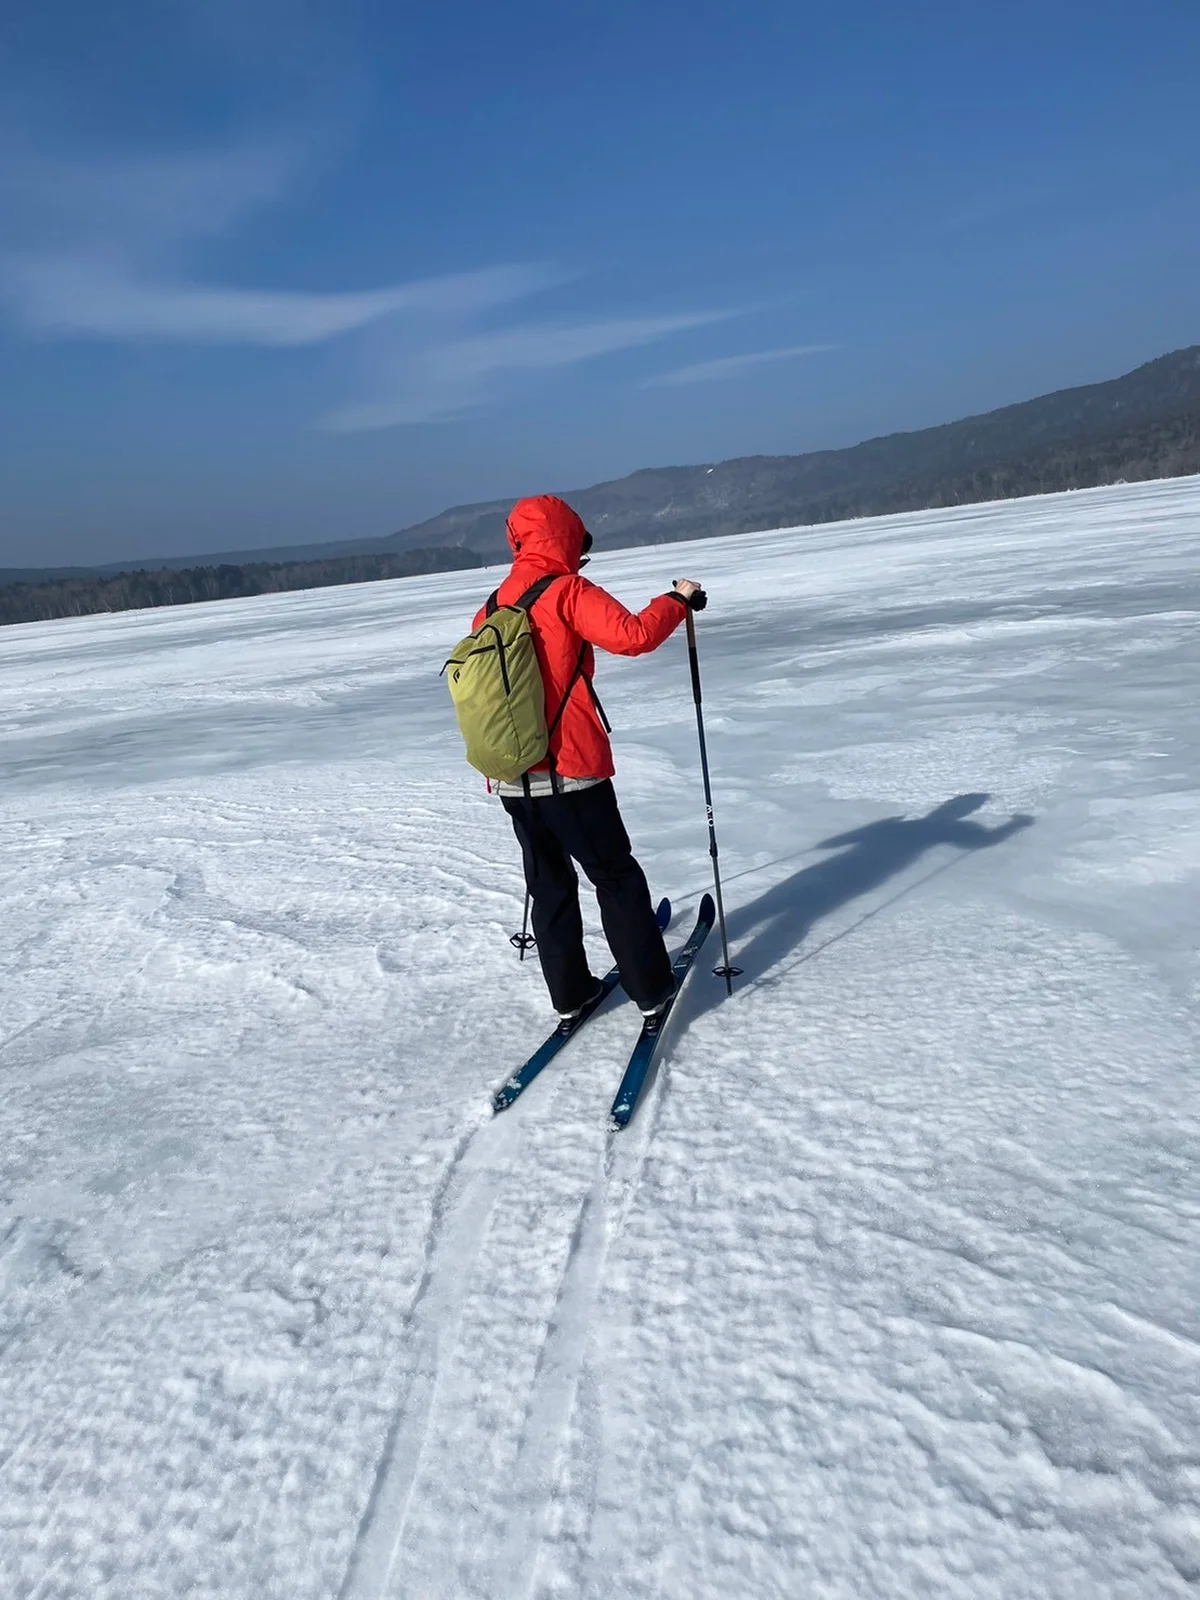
527, 600
535, 593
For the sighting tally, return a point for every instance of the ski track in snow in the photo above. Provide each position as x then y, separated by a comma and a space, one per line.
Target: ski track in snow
890, 1288
460, 1210
474, 1186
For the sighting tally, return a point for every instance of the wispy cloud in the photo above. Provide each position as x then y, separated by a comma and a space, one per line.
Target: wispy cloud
999, 204
99, 247
136, 203
728, 366
446, 379
89, 295
103, 247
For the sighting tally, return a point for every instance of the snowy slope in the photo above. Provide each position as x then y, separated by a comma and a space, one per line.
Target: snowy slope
891, 1287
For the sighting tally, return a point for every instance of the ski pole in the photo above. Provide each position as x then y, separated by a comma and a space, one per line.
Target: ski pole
725, 971
524, 940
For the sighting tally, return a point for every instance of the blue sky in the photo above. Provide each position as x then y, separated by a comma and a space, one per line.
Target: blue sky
280, 270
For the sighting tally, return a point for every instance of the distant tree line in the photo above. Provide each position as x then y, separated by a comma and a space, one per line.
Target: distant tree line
131, 591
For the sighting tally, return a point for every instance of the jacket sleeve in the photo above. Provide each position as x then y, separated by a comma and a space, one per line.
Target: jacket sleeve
604, 622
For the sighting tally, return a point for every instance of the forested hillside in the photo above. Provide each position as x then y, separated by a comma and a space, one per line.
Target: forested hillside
1141, 426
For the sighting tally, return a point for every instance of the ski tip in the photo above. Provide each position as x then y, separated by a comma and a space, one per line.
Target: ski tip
708, 908
663, 914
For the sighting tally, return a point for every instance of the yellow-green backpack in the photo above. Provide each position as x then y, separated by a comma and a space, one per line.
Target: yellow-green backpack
496, 685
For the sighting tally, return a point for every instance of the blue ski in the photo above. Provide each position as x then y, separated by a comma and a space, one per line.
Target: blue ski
644, 1050
524, 1076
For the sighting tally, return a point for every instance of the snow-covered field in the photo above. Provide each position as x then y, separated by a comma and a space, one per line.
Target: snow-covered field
890, 1289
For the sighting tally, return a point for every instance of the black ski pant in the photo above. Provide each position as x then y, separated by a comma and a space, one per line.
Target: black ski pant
585, 825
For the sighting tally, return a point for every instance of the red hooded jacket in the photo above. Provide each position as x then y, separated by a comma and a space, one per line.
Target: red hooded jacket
546, 537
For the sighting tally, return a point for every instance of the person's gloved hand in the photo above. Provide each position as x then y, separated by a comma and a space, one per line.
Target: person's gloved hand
692, 595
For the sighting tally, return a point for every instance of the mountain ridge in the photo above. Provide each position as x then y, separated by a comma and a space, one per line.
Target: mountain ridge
1144, 423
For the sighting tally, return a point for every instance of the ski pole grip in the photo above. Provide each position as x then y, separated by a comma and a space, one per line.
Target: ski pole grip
696, 601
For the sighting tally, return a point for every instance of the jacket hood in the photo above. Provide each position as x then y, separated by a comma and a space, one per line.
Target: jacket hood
546, 533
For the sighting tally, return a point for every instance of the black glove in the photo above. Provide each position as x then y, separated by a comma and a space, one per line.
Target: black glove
694, 602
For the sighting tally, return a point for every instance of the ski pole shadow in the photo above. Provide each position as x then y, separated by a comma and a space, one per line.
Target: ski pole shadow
765, 931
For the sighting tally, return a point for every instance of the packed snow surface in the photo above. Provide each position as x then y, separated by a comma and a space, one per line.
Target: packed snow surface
890, 1288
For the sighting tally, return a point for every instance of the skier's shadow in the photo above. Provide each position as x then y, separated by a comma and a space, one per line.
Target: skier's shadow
767, 930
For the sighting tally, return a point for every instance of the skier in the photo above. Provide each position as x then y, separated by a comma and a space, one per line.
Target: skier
565, 808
